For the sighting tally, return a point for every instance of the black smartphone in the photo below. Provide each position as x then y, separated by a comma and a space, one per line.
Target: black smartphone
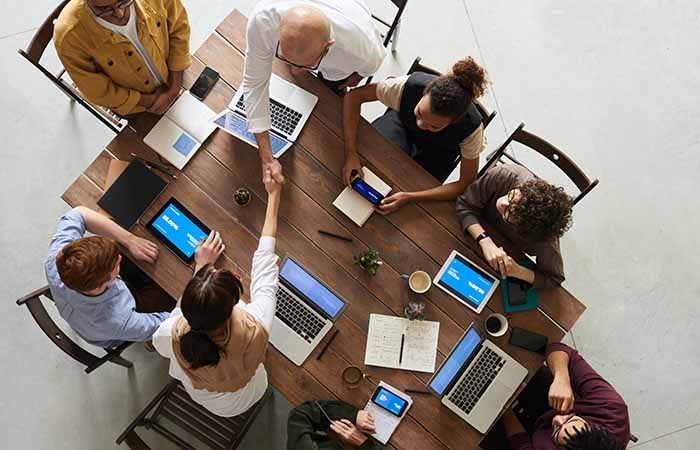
361, 187
528, 340
389, 401
517, 292
207, 79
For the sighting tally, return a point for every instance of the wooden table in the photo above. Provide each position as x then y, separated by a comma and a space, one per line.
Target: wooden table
419, 236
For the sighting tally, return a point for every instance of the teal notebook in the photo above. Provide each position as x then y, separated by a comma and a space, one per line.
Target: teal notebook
531, 300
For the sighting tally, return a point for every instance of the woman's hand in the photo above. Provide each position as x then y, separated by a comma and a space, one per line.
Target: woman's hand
207, 252
352, 164
348, 433
272, 186
394, 202
494, 254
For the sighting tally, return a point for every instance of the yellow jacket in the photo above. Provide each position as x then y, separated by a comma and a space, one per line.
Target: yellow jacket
105, 65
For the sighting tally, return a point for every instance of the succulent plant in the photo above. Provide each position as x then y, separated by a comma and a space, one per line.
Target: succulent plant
242, 196
368, 261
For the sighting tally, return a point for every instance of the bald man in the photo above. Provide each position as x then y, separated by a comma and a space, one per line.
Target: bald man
335, 37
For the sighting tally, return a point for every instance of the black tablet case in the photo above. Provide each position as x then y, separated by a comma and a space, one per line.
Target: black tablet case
131, 194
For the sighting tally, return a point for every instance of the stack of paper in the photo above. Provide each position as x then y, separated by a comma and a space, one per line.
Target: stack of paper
182, 130
355, 206
400, 343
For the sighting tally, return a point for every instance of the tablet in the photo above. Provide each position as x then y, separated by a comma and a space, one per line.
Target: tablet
466, 281
178, 229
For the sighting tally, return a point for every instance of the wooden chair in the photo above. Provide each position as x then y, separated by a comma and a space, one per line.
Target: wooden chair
33, 302
33, 54
182, 413
544, 148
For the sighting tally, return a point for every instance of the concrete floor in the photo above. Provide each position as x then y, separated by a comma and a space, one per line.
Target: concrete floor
617, 86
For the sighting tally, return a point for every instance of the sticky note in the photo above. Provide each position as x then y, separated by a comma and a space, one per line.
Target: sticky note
184, 144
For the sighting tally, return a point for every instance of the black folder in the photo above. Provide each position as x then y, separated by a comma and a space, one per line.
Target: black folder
131, 194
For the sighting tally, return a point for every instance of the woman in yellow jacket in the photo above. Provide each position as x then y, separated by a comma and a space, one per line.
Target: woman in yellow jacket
126, 55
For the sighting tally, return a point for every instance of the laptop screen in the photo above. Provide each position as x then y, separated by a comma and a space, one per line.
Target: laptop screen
452, 365
310, 287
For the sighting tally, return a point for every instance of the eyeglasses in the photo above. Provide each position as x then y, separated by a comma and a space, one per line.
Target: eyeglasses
106, 11
511, 207
279, 56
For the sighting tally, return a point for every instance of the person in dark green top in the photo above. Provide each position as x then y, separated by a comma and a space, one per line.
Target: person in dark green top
308, 428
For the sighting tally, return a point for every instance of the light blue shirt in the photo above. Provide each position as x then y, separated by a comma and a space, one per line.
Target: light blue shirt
106, 320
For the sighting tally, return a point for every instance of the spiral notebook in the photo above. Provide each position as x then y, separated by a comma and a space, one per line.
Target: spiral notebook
400, 343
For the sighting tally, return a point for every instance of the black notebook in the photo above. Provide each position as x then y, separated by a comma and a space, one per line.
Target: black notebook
131, 194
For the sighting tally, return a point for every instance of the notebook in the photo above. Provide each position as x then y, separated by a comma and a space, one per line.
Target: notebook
182, 130
400, 343
385, 422
116, 168
356, 207
131, 194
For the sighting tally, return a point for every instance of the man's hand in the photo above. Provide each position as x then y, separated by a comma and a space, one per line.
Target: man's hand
393, 202
163, 101
207, 252
275, 169
348, 433
271, 186
365, 422
142, 249
147, 100
352, 164
494, 254
352, 81
561, 396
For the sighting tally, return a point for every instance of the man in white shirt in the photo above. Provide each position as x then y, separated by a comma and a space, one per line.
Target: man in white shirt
336, 37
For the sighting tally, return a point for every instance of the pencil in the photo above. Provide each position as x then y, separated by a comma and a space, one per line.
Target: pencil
337, 236
417, 391
159, 166
328, 343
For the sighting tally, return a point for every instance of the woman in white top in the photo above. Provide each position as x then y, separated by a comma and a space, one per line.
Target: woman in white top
216, 344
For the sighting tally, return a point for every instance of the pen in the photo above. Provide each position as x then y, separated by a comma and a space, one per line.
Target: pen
328, 343
403, 337
161, 167
337, 236
416, 391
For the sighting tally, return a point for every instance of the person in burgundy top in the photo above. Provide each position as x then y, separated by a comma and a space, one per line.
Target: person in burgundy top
586, 413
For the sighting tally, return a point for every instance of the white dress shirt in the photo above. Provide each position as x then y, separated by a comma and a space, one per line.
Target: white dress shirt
357, 48
263, 301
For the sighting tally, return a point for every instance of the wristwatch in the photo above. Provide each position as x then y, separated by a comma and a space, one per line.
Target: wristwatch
481, 237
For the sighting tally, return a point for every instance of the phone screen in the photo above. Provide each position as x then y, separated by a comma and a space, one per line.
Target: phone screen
389, 401
528, 340
204, 83
361, 187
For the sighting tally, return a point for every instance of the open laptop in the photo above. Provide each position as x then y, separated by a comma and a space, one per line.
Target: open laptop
476, 380
306, 310
290, 108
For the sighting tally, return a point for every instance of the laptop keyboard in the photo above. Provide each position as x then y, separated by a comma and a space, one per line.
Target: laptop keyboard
477, 380
283, 118
297, 317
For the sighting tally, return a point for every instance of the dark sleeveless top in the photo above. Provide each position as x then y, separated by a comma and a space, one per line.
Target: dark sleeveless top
436, 152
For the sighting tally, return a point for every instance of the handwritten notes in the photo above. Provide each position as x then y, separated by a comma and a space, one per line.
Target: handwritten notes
400, 343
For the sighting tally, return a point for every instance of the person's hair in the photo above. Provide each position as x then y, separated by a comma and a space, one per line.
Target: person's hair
451, 94
543, 211
207, 304
88, 262
594, 438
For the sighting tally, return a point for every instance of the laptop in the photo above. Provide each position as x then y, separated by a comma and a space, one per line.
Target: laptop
306, 310
476, 380
290, 108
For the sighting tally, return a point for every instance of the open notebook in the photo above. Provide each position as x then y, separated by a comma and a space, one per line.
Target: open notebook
355, 206
400, 343
181, 131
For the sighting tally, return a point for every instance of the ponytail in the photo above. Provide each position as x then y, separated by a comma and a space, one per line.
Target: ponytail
207, 304
451, 94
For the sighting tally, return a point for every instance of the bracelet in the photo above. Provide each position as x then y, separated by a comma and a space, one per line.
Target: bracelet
481, 237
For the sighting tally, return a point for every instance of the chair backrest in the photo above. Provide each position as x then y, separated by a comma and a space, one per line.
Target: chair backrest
550, 152
42, 318
43, 35
401, 5
486, 116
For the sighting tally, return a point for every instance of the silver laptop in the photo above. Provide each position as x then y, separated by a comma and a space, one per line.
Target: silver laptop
290, 108
306, 310
476, 380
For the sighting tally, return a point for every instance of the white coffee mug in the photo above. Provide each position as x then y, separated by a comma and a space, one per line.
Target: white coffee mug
419, 281
502, 322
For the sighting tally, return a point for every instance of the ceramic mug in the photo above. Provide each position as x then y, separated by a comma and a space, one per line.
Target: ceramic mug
496, 325
419, 281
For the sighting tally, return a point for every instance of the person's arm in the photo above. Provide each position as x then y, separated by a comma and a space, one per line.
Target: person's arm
264, 273
140, 248
165, 98
467, 175
516, 434
352, 107
139, 327
549, 270
179, 58
94, 85
561, 395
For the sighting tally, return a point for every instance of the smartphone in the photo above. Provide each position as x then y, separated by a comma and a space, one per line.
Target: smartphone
207, 79
528, 340
361, 187
517, 292
389, 401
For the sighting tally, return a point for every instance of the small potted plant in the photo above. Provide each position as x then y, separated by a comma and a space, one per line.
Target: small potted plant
415, 310
242, 196
368, 261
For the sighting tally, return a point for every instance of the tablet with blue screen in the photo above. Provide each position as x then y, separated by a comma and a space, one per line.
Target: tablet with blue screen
178, 229
464, 280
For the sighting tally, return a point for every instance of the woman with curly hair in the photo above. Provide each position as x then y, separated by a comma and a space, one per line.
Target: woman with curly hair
530, 212
432, 118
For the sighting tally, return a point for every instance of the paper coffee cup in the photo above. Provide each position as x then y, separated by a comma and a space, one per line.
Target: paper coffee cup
419, 282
